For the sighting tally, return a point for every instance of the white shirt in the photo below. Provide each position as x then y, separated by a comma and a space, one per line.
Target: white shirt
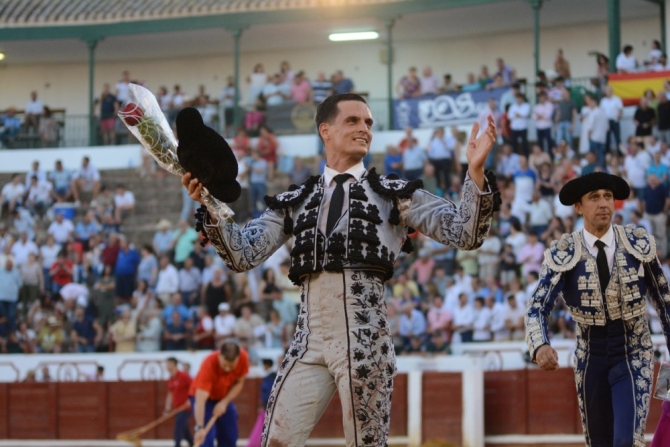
11, 191
627, 63
168, 280
542, 113
49, 255
498, 328
429, 85
224, 325
607, 238
20, 251
41, 192
88, 173
126, 199
519, 122
598, 125
540, 212
121, 91
440, 148
482, 324
329, 174
562, 211
189, 280
612, 106
464, 316
61, 231
34, 107
40, 174
636, 168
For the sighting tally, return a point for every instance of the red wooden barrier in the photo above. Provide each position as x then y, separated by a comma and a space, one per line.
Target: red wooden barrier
442, 402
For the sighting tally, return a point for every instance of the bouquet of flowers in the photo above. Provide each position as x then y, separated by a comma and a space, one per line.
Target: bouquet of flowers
146, 121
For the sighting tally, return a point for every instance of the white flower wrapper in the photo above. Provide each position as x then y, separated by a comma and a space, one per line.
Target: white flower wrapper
147, 123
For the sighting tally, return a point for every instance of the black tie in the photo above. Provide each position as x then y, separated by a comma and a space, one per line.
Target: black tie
336, 202
603, 266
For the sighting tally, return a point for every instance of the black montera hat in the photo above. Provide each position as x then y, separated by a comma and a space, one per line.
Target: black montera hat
574, 190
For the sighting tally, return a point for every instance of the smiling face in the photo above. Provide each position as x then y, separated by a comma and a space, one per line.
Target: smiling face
597, 207
349, 134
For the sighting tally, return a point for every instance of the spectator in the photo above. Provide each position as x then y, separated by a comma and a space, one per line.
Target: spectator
108, 108
519, 114
661, 64
162, 241
655, 54
12, 194
215, 292
176, 103
11, 126
506, 72
224, 325
439, 318
39, 196
301, 89
61, 229
542, 114
168, 280
276, 92
393, 161
22, 248
32, 113
34, 171
448, 86
539, 158
124, 203
48, 252
472, 85
463, 319
125, 270
175, 333
149, 333
613, 107
267, 147
561, 65
61, 179
441, 155
637, 220
564, 119
342, 84
85, 229
488, 254
203, 336
85, 179
207, 111
25, 340
509, 162
429, 181
321, 88
227, 100
635, 166
514, 315
659, 168
656, 203
644, 119
412, 161
32, 279
481, 325
412, 323
10, 286
663, 122
597, 126
51, 337
429, 82
122, 87
625, 61
61, 272
147, 269
592, 165
258, 182
189, 283
257, 81
183, 239
248, 324
86, 333
422, 268
409, 85
531, 254
123, 332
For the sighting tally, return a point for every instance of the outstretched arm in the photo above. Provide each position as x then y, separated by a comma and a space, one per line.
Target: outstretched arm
539, 308
241, 248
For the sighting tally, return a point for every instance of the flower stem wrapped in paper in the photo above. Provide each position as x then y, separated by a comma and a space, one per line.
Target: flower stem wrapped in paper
147, 123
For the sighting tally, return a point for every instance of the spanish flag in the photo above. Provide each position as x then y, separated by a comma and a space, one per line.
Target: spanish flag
630, 87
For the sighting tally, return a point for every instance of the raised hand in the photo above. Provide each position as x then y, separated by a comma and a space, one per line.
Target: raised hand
480, 147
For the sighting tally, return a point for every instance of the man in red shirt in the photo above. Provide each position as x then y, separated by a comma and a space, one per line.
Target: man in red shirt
219, 380
179, 385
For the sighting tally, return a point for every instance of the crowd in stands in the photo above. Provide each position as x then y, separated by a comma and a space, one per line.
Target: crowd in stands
77, 284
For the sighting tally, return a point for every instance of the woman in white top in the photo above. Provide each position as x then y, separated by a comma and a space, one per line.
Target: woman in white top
584, 133
257, 81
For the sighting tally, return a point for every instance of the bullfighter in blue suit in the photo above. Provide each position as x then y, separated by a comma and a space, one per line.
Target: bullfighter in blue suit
605, 273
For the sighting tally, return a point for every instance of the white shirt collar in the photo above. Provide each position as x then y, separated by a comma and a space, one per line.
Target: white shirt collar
607, 238
356, 171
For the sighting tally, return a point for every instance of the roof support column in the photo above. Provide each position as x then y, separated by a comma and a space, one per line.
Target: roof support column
614, 31
536, 5
237, 112
664, 30
389, 69
92, 43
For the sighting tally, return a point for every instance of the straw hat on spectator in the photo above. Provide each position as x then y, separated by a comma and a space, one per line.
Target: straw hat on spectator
53, 321
163, 224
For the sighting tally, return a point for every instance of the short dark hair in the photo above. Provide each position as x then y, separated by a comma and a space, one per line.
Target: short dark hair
627, 48
172, 360
328, 109
230, 351
268, 363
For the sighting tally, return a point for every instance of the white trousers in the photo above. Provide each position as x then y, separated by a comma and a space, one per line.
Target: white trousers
342, 342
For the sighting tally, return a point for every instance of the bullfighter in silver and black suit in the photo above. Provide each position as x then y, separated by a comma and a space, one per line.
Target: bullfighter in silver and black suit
348, 227
605, 273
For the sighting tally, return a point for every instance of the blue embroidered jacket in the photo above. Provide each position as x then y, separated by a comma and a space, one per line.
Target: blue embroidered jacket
569, 271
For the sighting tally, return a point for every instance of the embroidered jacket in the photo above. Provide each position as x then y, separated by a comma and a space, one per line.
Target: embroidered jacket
370, 233
569, 271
